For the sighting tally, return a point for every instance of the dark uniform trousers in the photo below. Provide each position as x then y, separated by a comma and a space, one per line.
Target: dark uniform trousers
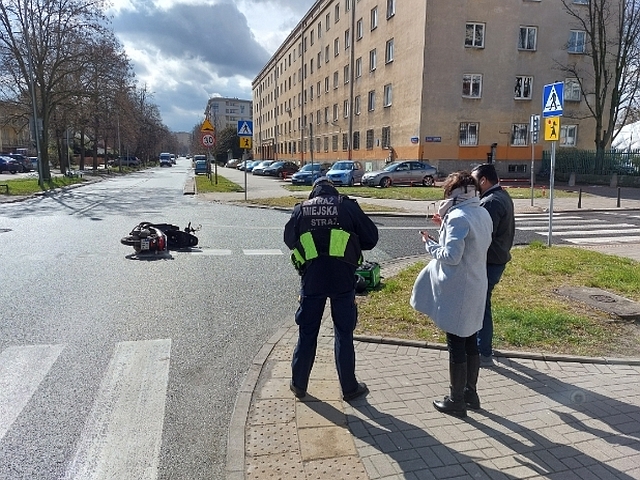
308, 319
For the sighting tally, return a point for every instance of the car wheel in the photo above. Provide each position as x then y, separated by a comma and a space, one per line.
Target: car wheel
352, 182
13, 172
385, 182
428, 181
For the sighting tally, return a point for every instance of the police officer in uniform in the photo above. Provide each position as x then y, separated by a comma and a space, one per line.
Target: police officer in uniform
327, 234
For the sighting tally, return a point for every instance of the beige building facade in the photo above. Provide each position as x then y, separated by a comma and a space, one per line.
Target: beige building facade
450, 83
225, 112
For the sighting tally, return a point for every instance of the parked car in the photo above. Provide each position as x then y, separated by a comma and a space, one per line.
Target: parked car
23, 161
252, 164
200, 166
309, 172
346, 172
173, 159
259, 169
165, 160
233, 163
281, 169
11, 165
34, 163
402, 173
127, 161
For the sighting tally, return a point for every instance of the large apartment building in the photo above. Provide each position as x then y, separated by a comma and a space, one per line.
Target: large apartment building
448, 82
226, 112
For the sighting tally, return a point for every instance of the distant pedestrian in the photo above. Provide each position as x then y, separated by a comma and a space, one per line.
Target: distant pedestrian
500, 206
327, 234
452, 288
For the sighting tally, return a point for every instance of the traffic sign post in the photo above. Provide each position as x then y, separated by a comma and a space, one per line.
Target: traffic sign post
208, 140
552, 107
245, 132
534, 128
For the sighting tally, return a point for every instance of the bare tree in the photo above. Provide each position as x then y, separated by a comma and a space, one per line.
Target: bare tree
610, 81
45, 41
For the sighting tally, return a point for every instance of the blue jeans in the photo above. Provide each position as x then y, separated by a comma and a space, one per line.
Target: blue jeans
485, 335
308, 318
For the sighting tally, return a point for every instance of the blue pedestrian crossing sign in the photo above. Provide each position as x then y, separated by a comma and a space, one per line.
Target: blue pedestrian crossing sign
245, 128
552, 99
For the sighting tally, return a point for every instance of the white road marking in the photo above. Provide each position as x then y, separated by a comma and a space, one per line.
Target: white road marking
264, 251
597, 232
22, 369
611, 240
579, 227
122, 436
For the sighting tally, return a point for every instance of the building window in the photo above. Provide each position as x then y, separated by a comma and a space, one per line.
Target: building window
386, 137
347, 38
335, 112
347, 5
319, 59
336, 47
326, 84
334, 143
468, 134
474, 35
337, 13
311, 65
523, 88
374, 18
319, 30
371, 105
388, 95
519, 134
356, 140
326, 144
577, 41
327, 21
313, 37
372, 60
318, 118
356, 105
318, 89
311, 92
370, 139
572, 91
391, 8
318, 145
568, 135
345, 109
358, 67
335, 80
472, 85
527, 38
326, 54
388, 52
359, 29
326, 114
346, 74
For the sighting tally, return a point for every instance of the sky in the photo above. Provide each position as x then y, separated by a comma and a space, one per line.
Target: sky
187, 51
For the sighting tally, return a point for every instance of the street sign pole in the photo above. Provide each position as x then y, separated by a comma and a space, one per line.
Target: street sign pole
551, 182
552, 108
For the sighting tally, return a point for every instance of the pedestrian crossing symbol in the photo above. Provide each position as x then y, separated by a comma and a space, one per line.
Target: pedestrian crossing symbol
245, 143
552, 99
245, 128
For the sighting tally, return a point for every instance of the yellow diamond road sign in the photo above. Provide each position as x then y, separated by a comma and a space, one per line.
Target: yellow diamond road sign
206, 126
245, 142
552, 129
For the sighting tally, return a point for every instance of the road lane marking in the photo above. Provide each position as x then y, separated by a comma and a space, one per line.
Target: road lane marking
608, 240
123, 433
579, 227
264, 251
595, 232
22, 369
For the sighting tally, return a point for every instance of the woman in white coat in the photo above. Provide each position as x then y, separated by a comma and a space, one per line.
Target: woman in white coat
452, 288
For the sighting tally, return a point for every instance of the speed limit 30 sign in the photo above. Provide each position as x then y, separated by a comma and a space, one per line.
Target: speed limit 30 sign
208, 140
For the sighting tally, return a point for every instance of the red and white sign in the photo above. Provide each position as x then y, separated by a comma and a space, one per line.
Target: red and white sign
208, 140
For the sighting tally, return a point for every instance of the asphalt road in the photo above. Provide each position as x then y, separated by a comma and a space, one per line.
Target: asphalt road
111, 365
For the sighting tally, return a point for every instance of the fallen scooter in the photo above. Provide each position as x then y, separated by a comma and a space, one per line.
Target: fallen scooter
155, 238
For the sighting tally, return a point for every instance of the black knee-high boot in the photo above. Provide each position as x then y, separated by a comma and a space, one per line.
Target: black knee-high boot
470, 393
454, 404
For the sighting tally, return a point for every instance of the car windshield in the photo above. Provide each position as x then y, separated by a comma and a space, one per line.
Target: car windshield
311, 167
277, 164
392, 167
342, 166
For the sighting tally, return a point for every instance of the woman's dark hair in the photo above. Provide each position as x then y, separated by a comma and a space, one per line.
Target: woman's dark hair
488, 171
458, 179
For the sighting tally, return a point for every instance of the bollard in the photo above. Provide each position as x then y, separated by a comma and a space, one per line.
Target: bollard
580, 198
618, 201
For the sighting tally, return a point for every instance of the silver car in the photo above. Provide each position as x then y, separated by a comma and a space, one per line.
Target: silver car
402, 173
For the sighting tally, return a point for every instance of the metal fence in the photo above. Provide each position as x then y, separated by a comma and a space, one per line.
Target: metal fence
585, 162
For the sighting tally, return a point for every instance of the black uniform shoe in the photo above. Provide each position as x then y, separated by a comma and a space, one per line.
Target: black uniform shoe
357, 393
298, 392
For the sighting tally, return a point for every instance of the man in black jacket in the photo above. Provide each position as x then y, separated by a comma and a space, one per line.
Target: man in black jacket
500, 206
327, 234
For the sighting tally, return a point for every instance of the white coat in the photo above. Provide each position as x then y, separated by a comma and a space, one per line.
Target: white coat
452, 288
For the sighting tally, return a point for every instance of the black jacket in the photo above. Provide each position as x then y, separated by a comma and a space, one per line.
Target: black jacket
326, 275
500, 206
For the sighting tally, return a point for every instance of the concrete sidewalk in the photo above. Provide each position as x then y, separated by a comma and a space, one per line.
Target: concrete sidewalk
542, 416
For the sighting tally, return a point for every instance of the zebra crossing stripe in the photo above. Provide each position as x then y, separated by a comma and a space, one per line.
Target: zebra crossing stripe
122, 435
265, 251
22, 369
578, 227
